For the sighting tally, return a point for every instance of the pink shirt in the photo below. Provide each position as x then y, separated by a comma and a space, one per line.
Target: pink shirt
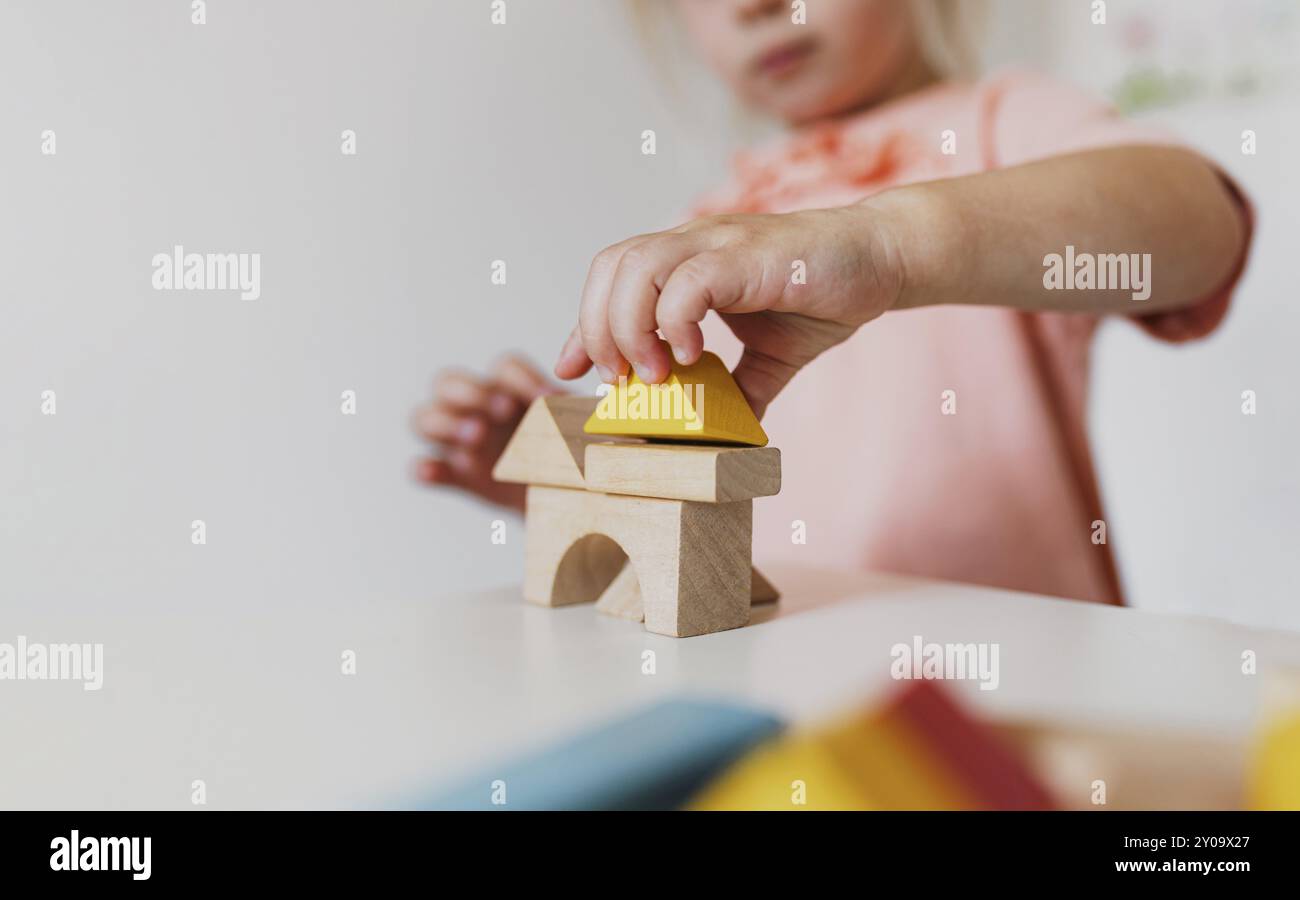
1003, 492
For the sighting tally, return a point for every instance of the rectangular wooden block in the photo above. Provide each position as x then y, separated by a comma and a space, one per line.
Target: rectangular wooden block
683, 471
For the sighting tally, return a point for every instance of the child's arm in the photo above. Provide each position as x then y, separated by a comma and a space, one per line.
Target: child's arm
976, 239
983, 238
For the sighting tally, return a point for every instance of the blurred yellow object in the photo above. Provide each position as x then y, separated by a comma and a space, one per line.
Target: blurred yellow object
700, 402
799, 772
1275, 761
919, 751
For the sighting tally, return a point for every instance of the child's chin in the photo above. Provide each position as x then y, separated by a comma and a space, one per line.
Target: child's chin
806, 106
809, 97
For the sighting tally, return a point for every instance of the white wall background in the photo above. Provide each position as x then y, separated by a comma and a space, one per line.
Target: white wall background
475, 143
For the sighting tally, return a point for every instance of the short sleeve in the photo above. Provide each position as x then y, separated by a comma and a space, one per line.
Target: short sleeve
1028, 117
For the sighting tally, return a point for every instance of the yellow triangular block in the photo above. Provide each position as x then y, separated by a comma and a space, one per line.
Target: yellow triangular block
695, 403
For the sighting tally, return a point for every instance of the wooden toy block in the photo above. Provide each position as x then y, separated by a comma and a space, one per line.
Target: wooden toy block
622, 598
761, 590
684, 472
548, 446
691, 559
653, 533
699, 403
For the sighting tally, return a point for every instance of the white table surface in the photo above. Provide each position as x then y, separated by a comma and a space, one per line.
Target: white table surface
256, 705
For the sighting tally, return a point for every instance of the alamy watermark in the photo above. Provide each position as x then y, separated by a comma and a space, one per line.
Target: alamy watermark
670, 400
1074, 271
23, 661
919, 660
75, 853
181, 271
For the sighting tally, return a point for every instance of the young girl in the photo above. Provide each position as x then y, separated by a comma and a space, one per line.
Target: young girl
894, 273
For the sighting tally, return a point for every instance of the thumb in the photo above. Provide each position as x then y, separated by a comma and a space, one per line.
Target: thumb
761, 377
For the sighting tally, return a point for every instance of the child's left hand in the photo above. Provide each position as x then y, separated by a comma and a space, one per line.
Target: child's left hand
744, 267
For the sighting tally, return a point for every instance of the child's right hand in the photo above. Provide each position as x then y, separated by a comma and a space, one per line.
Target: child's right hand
469, 422
740, 267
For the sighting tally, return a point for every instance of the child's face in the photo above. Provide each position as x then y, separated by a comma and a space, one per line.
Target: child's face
850, 53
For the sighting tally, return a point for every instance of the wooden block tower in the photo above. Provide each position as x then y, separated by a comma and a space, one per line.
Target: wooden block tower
643, 500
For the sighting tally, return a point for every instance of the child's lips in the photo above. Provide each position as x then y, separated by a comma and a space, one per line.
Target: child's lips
782, 60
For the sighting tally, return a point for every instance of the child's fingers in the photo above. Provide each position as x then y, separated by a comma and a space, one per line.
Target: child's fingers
503, 407
761, 377
439, 473
709, 280
634, 298
518, 378
445, 426
573, 360
431, 471
683, 303
462, 390
445, 472
465, 464
593, 315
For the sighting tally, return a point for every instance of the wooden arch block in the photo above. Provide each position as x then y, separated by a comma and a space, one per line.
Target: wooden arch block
658, 533
692, 560
622, 599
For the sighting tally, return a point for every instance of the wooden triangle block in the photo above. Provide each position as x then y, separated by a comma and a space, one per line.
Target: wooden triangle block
623, 597
549, 446
700, 402
760, 589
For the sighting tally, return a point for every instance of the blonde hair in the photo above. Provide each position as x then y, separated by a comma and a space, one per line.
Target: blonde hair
949, 33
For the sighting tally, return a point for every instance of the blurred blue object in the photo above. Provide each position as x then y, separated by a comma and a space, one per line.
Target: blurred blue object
654, 759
